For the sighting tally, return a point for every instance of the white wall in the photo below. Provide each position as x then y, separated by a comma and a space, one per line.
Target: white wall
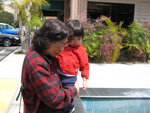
77, 7
9, 9
142, 12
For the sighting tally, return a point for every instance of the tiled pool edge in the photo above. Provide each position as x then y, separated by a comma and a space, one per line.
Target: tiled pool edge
109, 93
115, 93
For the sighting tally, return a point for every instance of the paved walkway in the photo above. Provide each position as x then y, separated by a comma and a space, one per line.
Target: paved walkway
119, 76
10, 74
101, 76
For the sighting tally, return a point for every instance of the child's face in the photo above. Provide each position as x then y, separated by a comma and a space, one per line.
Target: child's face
76, 41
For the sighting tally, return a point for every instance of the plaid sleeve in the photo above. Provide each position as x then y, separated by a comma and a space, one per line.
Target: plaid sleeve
47, 85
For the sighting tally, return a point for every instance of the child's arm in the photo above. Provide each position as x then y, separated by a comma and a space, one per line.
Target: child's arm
84, 66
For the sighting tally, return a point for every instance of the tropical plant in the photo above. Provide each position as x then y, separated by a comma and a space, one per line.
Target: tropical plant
103, 38
138, 38
92, 38
27, 16
34, 12
112, 40
92, 42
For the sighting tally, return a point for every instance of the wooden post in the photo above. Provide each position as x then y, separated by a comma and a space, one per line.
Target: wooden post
66, 10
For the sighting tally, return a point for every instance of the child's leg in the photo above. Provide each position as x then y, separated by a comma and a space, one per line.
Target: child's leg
68, 81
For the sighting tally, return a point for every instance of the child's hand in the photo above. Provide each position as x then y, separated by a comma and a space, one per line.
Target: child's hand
77, 86
84, 83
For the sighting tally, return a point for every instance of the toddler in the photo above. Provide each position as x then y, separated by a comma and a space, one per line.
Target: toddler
72, 59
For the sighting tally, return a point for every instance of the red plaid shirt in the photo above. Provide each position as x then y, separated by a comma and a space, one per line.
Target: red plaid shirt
42, 90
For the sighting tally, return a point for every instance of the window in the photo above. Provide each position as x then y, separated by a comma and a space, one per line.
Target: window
9, 27
117, 12
1, 27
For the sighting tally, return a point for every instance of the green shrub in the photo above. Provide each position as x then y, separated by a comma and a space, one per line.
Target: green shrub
138, 38
103, 39
6, 17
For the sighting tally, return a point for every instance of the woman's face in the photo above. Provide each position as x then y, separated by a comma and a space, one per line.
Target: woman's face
56, 47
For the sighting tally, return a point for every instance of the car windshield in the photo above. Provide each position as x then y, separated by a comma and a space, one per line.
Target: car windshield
1, 27
9, 27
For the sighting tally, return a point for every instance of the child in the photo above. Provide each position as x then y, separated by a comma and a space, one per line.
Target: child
72, 59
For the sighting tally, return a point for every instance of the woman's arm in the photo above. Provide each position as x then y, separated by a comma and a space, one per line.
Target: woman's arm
48, 87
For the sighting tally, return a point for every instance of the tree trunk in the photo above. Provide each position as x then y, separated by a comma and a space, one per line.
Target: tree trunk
27, 10
27, 38
21, 32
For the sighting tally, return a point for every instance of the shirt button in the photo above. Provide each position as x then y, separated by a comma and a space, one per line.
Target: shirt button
55, 74
58, 85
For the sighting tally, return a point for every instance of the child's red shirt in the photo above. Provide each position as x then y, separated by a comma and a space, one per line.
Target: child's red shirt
72, 59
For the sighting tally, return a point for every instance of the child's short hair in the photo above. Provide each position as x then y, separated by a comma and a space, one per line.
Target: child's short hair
77, 28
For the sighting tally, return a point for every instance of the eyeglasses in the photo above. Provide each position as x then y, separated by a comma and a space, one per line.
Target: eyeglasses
61, 44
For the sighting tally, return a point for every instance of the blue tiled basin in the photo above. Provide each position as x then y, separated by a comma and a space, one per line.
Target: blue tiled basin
116, 105
111, 100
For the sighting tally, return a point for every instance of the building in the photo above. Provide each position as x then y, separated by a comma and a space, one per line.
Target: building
119, 10
11, 8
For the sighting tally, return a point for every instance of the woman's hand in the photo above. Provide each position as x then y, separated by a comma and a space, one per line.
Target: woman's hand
77, 86
84, 83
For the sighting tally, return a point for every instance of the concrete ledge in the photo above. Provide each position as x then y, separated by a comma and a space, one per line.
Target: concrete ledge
79, 108
115, 93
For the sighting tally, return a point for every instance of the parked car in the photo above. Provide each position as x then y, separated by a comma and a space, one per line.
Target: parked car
8, 29
9, 39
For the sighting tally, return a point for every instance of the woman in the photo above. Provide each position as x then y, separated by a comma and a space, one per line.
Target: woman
42, 90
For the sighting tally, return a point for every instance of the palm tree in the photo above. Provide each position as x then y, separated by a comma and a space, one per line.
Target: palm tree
26, 14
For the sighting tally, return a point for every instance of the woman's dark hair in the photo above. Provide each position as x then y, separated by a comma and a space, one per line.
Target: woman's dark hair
77, 28
52, 30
